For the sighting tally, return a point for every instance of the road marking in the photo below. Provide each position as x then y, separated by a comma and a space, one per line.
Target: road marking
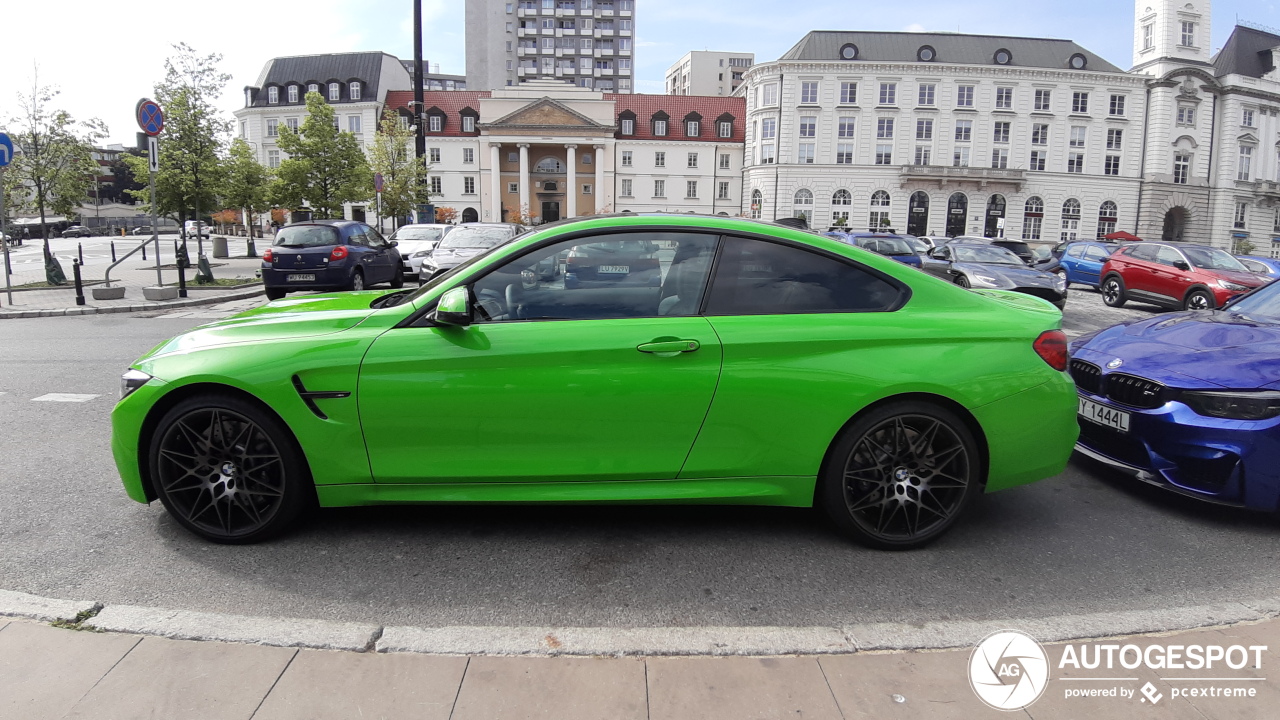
64, 397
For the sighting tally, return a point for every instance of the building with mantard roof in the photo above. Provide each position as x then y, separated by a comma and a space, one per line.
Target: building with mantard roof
945, 134
1212, 160
563, 151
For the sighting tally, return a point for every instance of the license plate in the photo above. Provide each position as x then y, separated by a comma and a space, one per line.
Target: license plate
301, 278
616, 269
1104, 415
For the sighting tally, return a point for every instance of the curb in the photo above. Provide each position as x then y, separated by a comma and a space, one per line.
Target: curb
606, 641
90, 310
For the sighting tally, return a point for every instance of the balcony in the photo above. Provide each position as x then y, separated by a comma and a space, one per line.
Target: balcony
1270, 188
945, 174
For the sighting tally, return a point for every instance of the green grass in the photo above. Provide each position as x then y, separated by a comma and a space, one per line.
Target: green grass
78, 623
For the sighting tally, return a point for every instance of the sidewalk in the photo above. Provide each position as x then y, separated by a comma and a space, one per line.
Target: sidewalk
133, 274
49, 672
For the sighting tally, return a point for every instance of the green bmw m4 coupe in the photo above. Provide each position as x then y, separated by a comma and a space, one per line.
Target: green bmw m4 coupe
699, 360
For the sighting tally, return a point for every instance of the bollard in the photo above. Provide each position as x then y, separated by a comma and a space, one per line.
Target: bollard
80, 251
75, 267
144, 250
182, 280
113, 251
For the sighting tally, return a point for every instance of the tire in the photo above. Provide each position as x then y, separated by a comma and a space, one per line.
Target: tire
276, 293
1199, 299
1112, 290
228, 471
357, 281
877, 477
397, 280
963, 281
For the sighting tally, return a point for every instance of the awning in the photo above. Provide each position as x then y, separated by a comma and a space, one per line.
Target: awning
34, 222
1120, 235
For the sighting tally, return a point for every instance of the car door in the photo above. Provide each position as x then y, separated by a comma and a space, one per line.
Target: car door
607, 382
1168, 280
1138, 268
1070, 262
1089, 266
383, 256
938, 262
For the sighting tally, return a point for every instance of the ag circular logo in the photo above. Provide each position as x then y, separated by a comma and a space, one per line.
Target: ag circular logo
1008, 670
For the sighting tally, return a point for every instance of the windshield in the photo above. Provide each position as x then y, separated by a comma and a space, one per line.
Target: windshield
887, 246
986, 254
1264, 302
306, 236
476, 237
418, 233
916, 244
1213, 259
445, 277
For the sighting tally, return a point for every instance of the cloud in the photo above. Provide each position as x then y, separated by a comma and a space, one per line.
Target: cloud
914, 27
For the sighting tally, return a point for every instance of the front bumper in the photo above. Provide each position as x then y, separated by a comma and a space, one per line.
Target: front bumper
1229, 462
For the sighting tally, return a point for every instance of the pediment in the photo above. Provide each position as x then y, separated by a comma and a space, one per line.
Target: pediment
545, 113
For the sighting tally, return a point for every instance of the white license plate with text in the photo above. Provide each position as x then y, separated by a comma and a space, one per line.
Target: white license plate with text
1104, 415
302, 278
616, 269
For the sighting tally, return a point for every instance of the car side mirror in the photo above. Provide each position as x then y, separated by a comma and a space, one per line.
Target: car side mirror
454, 307
393, 243
1182, 266
938, 254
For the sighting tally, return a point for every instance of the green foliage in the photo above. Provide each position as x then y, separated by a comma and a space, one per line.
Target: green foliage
245, 181
1241, 246
325, 167
404, 178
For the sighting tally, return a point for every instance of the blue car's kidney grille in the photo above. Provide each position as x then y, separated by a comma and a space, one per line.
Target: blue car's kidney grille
1135, 391
1088, 376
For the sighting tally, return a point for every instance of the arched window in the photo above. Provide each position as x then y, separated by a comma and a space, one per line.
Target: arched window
957, 212
293, 93
335, 92
354, 90
1032, 218
313, 88
918, 213
549, 165
840, 202
1107, 219
757, 201
802, 205
1070, 220
879, 218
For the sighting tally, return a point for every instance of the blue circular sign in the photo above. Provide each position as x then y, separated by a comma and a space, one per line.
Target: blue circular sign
150, 117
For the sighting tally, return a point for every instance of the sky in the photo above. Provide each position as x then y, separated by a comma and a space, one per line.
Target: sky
103, 57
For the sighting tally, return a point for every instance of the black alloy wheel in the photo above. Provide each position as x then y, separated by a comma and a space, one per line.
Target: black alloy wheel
227, 471
1113, 292
1199, 299
900, 476
962, 281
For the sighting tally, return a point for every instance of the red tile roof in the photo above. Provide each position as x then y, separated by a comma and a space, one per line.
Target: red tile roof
451, 102
677, 107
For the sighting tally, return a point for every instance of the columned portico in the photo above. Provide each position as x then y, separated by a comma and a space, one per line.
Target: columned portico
525, 208
495, 182
571, 180
598, 191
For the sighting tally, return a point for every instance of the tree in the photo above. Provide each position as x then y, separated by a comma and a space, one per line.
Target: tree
325, 168
245, 184
521, 216
122, 180
446, 215
403, 176
53, 161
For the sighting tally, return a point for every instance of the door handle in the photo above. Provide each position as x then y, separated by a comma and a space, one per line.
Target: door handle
663, 347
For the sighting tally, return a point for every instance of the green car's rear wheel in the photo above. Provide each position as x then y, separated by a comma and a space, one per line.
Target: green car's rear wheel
901, 475
227, 470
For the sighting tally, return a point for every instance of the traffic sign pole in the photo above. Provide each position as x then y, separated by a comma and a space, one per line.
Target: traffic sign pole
151, 120
6, 157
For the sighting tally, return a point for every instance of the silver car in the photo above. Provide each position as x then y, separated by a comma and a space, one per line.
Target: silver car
415, 243
463, 243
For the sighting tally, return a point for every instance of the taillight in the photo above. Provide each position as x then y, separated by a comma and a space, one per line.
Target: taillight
267, 255
338, 253
1051, 346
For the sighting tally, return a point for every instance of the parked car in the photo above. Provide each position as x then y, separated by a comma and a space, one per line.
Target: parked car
463, 243
890, 245
617, 261
772, 366
191, 228
1081, 262
416, 242
1041, 252
1182, 277
141, 230
1265, 267
921, 246
1189, 402
971, 264
1017, 247
329, 255
77, 231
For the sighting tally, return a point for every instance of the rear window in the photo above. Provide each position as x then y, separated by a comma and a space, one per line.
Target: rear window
307, 236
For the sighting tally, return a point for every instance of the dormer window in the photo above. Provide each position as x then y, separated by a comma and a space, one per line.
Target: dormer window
273, 95
313, 88
660, 128
692, 125
626, 123
468, 123
335, 92
293, 93
724, 126
355, 89
435, 123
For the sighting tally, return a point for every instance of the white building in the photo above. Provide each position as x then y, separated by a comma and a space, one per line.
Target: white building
587, 42
563, 151
708, 72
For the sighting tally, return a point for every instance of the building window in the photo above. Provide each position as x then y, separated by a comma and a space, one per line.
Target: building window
693, 160
335, 92
848, 93
626, 188
804, 153
767, 156
845, 127
354, 90
964, 130
1000, 132
659, 188
771, 94
435, 123
1148, 37
924, 155
1070, 220
1000, 158
1078, 136
626, 158
884, 154
888, 93
1039, 134
757, 202
1032, 218
1080, 102
628, 126
273, 127
1244, 169
960, 157
726, 129
691, 189
273, 95
433, 154
844, 154
964, 96
1044, 99
468, 155
1004, 98
292, 123
468, 123
1187, 115
879, 216
722, 190
1117, 106
808, 93
404, 122
692, 128
293, 93
659, 159
1037, 160
1246, 118
724, 161
1188, 34
808, 126
586, 189
884, 128
928, 93
841, 199
1075, 162
1107, 214
1181, 168
1242, 215
513, 188
468, 185
313, 88
354, 124
435, 185
1115, 139
924, 129
586, 158
660, 128
1111, 165
273, 158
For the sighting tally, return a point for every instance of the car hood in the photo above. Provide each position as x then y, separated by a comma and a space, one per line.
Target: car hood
1014, 275
1200, 348
304, 316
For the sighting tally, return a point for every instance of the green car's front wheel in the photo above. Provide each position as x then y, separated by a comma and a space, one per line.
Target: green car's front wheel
901, 475
228, 471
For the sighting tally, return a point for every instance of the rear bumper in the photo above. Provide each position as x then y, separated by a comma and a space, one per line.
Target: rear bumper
1029, 435
328, 278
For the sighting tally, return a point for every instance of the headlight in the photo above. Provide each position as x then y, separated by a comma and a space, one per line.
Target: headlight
1258, 405
1233, 287
421, 253
988, 281
132, 380
1059, 283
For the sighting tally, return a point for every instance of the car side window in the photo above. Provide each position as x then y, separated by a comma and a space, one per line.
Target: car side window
375, 238
1168, 256
599, 277
1254, 266
1075, 251
1143, 252
1093, 252
754, 277
357, 237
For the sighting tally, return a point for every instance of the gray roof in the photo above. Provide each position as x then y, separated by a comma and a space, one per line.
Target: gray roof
824, 45
341, 67
1247, 52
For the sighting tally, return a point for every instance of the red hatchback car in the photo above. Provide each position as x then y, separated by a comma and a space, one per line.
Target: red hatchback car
1181, 277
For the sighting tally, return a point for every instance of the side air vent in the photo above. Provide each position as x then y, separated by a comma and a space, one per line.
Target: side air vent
310, 396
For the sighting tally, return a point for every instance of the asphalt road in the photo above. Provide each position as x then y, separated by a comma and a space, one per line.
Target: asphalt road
1085, 541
